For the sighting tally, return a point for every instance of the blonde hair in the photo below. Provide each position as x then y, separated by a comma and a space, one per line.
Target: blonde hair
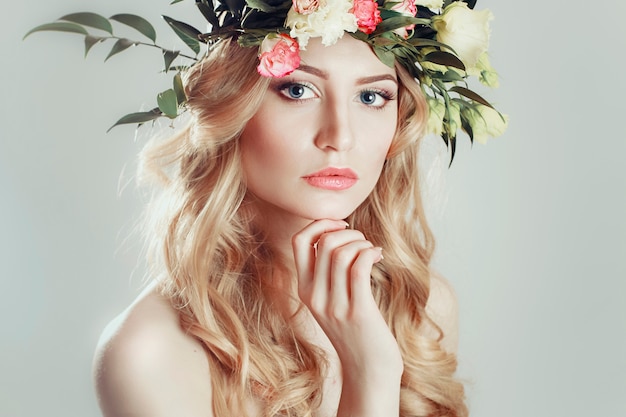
210, 255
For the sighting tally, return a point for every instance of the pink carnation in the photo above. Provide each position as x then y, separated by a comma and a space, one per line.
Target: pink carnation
279, 55
367, 15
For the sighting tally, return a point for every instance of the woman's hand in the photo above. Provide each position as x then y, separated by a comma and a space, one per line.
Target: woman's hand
334, 265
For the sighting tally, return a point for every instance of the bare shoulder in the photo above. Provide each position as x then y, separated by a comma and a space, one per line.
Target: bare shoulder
443, 310
145, 365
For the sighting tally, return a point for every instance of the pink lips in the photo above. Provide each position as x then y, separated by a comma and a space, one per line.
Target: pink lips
332, 178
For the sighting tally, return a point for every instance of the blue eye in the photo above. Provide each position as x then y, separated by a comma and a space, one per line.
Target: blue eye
296, 91
368, 97
373, 98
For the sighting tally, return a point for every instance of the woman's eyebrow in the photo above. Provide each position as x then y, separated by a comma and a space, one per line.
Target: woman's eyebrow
364, 80
374, 78
314, 71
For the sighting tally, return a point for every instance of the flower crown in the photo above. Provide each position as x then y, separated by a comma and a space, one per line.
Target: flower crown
441, 43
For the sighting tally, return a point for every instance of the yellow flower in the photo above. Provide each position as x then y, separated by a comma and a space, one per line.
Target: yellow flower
465, 30
453, 119
485, 122
437, 111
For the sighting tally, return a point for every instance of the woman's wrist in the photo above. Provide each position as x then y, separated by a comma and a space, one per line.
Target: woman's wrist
371, 394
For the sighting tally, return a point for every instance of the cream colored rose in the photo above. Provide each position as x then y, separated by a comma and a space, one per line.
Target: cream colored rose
328, 22
437, 111
465, 30
485, 122
432, 4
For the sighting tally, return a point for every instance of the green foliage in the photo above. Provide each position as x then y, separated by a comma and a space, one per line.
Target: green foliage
138, 23
59, 27
187, 33
89, 19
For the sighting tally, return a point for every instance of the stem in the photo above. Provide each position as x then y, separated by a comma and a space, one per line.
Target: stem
154, 45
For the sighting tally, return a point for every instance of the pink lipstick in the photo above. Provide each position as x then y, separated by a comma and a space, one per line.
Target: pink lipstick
332, 178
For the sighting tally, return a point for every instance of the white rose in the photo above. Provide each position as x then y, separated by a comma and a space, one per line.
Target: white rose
432, 4
464, 30
485, 122
328, 22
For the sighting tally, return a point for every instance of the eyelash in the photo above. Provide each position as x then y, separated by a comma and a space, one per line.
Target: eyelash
386, 95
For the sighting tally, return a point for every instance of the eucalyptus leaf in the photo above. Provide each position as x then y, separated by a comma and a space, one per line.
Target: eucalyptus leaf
386, 57
466, 92
452, 149
58, 27
119, 46
175, 1
91, 41
467, 127
138, 23
208, 12
268, 8
398, 22
169, 57
179, 89
186, 33
93, 20
139, 118
445, 58
167, 103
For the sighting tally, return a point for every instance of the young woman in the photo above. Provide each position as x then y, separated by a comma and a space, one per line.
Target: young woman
289, 247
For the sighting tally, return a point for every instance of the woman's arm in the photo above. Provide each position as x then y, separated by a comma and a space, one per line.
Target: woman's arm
146, 366
334, 265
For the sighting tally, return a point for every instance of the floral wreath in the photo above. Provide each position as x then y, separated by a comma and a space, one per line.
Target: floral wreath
440, 42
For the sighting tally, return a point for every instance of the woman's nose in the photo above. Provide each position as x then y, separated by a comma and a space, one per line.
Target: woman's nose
335, 130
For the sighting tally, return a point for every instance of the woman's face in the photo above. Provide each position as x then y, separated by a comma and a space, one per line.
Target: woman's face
316, 147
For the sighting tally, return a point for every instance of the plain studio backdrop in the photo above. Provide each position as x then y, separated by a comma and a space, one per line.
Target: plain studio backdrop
531, 228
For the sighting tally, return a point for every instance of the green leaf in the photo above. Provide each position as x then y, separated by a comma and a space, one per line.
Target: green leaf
208, 12
466, 92
179, 89
59, 27
90, 19
91, 41
422, 42
138, 23
169, 57
386, 57
139, 118
175, 1
186, 33
119, 46
167, 103
445, 58
268, 8
398, 22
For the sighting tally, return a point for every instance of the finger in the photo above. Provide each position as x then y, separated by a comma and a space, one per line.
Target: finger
329, 245
360, 273
303, 250
342, 261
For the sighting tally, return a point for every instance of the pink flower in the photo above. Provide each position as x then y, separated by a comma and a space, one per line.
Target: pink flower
279, 55
307, 6
407, 8
367, 15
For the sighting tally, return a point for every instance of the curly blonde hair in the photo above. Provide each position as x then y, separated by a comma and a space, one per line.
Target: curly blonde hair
210, 255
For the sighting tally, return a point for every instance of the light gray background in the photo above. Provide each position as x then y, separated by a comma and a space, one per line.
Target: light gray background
531, 227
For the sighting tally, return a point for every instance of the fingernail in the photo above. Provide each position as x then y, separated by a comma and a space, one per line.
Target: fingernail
381, 257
